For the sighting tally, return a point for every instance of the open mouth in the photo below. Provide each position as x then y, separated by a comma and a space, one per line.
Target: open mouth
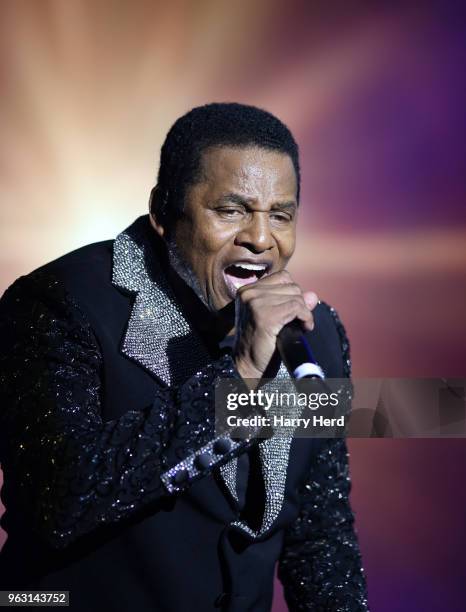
243, 273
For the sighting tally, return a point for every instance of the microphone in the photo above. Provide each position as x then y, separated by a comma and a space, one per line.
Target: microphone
293, 343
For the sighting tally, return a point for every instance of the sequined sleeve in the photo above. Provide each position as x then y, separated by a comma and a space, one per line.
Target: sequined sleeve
69, 471
320, 566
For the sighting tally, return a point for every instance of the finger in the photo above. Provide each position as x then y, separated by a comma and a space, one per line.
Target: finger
276, 278
254, 289
295, 309
309, 323
261, 303
303, 313
311, 299
306, 318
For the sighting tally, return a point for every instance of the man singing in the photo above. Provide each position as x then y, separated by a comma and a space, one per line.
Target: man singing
116, 487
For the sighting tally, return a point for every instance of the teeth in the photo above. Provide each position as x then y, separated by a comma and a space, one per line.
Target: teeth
250, 266
252, 274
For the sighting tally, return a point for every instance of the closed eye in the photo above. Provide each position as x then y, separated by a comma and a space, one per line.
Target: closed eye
282, 217
229, 212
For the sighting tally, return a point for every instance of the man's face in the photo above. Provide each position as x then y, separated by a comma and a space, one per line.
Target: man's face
239, 220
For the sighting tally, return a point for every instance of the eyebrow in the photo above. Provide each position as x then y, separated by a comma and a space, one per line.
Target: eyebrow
236, 198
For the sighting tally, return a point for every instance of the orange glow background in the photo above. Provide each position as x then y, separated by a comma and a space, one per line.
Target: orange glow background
373, 95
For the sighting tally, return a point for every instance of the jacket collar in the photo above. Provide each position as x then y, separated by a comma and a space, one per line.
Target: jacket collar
161, 339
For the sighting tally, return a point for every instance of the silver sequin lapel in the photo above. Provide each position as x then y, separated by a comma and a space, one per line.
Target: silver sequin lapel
274, 456
158, 335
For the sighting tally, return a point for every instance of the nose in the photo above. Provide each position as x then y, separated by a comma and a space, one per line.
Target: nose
256, 235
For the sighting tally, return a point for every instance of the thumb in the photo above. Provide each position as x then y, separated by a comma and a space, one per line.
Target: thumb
311, 299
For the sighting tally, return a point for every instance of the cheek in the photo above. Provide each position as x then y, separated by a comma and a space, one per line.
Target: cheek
203, 246
213, 240
286, 245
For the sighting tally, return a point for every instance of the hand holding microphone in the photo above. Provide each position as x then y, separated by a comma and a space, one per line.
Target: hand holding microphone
263, 310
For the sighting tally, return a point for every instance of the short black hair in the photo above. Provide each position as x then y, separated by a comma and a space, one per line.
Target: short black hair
216, 124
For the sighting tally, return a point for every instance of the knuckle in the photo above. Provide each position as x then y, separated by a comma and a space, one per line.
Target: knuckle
293, 287
284, 274
244, 293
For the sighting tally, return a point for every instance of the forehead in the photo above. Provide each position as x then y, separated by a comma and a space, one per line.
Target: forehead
249, 169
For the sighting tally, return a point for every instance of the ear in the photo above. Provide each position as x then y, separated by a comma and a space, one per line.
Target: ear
154, 208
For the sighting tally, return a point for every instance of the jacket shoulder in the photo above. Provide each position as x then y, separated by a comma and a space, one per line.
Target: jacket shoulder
89, 258
87, 266
330, 342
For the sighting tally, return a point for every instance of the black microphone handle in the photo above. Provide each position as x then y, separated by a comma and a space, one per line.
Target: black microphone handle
294, 345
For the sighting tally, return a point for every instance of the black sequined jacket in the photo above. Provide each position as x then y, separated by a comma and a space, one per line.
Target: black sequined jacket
115, 486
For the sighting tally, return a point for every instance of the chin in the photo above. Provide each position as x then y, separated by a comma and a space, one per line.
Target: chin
217, 302
217, 305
